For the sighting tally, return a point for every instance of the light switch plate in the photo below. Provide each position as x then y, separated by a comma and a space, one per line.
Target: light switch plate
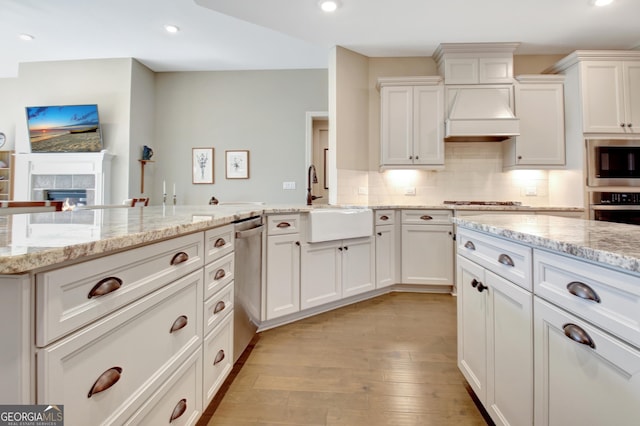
288, 185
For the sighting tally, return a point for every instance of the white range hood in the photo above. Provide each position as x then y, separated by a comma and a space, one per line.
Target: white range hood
480, 113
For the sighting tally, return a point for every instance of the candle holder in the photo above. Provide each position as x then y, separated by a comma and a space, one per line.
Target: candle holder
164, 198
174, 199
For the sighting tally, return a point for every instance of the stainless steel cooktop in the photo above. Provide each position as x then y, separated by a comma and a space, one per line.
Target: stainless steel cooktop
484, 203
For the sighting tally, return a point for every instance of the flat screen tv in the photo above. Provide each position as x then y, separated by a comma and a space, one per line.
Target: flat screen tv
64, 128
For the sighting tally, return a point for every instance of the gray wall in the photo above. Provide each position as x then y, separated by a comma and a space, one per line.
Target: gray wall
260, 111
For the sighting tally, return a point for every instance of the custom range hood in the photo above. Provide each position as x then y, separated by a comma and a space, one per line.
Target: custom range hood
478, 80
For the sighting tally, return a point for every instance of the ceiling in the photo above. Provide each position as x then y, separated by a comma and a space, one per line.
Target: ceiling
285, 34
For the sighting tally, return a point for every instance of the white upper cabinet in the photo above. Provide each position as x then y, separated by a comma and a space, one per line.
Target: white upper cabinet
411, 122
476, 63
611, 96
539, 104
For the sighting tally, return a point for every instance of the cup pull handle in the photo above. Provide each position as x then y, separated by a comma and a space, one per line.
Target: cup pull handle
219, 307
105, 286
178, 410
426, 217
384, 217
105, 381
219, 357
506, 260
219, 243
283, 225
469, 245
577, 334
179, 258
179, 323
583, 291
220, 274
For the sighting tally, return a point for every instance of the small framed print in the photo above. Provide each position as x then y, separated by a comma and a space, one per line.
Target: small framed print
237, 164
202, 165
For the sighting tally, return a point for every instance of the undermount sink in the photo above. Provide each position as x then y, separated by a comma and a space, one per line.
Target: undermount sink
328, 224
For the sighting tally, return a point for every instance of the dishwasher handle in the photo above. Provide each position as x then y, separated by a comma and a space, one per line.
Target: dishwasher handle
250, 232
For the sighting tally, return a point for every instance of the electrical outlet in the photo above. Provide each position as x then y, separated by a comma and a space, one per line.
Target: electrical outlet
531, 191
363, 190
410, 190
288, 185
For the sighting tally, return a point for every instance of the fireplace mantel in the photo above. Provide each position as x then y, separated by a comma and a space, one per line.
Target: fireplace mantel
36, 172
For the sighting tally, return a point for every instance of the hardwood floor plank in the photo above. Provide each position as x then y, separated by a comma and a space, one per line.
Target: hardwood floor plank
384, 361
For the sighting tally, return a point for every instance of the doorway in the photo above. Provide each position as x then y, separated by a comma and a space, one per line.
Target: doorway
318, 153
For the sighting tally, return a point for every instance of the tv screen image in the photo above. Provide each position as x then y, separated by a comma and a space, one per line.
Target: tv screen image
64, 128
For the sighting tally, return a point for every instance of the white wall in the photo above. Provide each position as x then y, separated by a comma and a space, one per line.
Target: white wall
260, 111
141, 128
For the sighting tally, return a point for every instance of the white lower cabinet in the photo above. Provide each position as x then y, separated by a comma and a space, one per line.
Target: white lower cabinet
387, 248
584, 376
283, 275
333, 270
218, 357
495, 342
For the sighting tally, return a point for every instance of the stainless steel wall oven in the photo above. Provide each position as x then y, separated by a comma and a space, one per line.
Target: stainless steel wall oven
621, 207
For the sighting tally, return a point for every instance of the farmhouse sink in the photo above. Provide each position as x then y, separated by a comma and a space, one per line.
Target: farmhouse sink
327, 224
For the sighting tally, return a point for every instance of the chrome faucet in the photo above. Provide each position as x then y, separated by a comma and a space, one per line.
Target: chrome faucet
312, 178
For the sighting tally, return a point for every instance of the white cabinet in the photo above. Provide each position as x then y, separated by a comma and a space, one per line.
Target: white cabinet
334, 270
387, 248
539, 104
611, 96
475, 63
412, 120
583, 375
427, 247
495, 335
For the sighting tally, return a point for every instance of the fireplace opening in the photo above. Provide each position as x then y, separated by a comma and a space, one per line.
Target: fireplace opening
73, 197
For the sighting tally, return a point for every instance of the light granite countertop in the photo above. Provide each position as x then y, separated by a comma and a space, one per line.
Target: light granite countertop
32, 241
613, 244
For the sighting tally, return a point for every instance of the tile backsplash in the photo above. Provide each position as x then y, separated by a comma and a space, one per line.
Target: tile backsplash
473, 171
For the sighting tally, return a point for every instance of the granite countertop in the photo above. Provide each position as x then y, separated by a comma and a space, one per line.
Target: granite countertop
613, 244
32, 241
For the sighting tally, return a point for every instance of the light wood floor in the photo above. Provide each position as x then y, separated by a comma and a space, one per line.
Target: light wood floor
386, 361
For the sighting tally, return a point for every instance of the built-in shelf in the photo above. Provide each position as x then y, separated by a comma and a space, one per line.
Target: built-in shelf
142, 164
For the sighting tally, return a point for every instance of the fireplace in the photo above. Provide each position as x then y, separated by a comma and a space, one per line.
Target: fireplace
73, 197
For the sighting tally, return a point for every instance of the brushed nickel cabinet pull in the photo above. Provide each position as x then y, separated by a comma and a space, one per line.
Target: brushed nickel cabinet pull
426, 217
469, 245
179, 323
577, 334
179, 258
283, 225
219, 357
179, 409
384, 217
220, 274
105, 381
220, 242
219, 307
105, 286
583, 291
506, 260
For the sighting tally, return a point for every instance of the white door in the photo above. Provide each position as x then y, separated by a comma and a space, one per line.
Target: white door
632, 96
321, 274
602, 97
358, 269
428, 125
427, 254
283, 275
396, 125
385, 256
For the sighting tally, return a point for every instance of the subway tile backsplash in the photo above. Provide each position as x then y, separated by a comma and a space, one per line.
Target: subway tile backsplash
473, 171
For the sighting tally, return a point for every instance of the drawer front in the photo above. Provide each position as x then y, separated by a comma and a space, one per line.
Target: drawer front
69, 298
427, 217
219, 242
606, 298
218, 274
507, 259
218, 358
216, 308
283, 224
127, 354
178, 401
385, 217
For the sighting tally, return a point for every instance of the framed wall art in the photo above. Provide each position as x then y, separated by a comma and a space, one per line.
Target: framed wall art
202, 165
237, 164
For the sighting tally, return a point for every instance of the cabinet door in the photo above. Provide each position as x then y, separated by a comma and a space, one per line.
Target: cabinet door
358, 270
385, 256
540, 108
472, 326
509, 352
283, 275
602, 92
321, 273
632, 96
396, 125
428, 119
580, 384
427, 254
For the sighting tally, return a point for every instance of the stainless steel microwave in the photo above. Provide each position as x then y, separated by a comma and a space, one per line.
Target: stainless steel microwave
613, 162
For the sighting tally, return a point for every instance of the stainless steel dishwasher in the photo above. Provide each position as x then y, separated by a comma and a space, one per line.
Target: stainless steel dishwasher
248, 282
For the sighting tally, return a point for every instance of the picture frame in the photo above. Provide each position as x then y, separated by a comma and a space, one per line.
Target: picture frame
237, 164
202, 165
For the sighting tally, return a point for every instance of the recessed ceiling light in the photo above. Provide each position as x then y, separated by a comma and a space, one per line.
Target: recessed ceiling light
26, 37
601, 3
329, 5
171, 28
